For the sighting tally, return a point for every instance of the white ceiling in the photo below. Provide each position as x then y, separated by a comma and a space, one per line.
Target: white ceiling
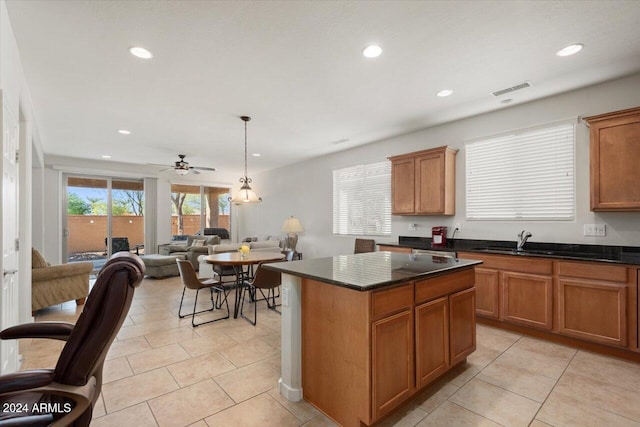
297, 69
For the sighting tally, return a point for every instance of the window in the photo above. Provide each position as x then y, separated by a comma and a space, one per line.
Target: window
526, 176
195, 207
362, 200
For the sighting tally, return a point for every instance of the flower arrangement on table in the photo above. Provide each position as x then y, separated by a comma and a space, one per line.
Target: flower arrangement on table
244, 250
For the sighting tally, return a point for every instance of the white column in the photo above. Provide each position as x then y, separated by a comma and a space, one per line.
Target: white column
290, 383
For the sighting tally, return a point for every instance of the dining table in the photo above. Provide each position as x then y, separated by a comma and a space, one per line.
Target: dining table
238, 261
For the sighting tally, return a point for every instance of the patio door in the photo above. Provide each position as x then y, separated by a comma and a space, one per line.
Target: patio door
103, 216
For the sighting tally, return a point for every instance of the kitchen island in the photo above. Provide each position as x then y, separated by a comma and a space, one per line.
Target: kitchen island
362, 334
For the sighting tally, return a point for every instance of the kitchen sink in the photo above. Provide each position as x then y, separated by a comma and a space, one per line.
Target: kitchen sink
524, 252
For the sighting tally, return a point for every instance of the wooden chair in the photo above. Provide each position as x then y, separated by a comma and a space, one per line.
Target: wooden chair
364, 245
190, 280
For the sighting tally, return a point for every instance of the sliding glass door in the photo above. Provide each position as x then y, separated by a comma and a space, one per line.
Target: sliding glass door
102, 216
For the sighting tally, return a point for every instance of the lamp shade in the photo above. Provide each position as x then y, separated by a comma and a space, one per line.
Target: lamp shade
292, 225
246, 195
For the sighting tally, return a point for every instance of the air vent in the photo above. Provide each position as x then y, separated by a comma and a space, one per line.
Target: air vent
513, 88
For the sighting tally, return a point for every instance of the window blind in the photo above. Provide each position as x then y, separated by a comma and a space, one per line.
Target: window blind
526, 176
362, 200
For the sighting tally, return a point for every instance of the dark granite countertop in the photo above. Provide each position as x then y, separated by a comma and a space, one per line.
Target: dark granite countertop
568, 251
364, 272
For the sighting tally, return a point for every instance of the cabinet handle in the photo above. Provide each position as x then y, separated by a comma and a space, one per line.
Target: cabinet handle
8, 272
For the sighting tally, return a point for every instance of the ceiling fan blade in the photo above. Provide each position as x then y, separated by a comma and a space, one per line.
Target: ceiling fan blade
203, 168
157, 164
194, 171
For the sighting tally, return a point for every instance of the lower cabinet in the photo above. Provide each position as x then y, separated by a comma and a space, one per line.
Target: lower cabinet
462, 325
591, 301
598, 303
392, 361
527, 299
487, 293
432, 340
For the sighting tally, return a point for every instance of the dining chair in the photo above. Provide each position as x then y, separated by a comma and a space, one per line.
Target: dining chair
190, 280
263, 280
66, 395
364, 245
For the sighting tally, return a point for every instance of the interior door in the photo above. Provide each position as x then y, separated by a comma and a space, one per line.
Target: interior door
9, 295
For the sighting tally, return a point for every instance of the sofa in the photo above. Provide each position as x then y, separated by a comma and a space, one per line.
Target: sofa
207, 270
193, 247
55, 284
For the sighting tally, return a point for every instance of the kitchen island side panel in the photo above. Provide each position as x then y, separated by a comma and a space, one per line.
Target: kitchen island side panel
336, 367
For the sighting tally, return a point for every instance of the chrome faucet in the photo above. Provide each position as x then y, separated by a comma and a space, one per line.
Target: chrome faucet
522, 239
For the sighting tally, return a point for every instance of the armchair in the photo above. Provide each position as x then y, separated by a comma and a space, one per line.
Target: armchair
70, 391
194, 247
55, 284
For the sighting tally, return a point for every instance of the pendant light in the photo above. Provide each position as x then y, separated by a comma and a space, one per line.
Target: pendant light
245, 194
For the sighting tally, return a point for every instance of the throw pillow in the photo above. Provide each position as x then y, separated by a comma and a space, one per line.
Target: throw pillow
37, 260
198, 242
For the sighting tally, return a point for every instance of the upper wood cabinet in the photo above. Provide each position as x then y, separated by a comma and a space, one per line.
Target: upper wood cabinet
615, 154
423, 183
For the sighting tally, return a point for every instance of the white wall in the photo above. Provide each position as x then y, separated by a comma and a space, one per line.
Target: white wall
17, 100
305, 189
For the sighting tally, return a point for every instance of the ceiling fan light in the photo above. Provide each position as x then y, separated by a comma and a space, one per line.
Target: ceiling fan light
181, 171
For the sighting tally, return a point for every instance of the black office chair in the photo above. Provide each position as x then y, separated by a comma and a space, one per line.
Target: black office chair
69, 392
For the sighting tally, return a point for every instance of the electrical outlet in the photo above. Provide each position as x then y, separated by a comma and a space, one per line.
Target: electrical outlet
458, 226
413, 227
595, 230
285, 297
599, 230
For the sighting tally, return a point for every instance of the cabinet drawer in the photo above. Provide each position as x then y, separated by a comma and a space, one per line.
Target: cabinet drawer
592, 271
521, 264
391, 301
383, 248
435, 287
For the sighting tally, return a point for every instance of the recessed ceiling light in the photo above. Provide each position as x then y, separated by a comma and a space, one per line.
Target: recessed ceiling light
256, 154
140, 52
570, 50
444, 92
372, 51
124, 132
106, 156
506, 101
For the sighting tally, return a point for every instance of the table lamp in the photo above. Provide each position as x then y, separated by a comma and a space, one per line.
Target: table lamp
292, 226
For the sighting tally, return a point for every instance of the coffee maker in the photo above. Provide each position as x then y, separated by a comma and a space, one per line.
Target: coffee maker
439, 237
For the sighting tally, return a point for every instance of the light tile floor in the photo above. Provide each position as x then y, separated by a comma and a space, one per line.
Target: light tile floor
162, 372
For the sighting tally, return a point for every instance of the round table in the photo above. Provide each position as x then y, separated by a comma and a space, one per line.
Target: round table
235, 259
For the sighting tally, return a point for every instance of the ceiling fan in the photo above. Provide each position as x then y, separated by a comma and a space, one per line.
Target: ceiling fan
182, 167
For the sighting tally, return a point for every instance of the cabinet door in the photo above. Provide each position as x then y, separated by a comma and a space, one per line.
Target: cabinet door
462, 324
527, 300
392, 361
614, 163
403, 186
487, 293
593, 310
432, 340
430, 183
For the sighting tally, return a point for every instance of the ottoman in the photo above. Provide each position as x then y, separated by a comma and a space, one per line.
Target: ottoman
159, 266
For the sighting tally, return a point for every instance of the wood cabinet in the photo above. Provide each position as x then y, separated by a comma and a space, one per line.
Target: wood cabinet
487, 293
527, 299
592, 302
364, 353
462, 321
423, 182
392, 361
399, 249
432, 340
514, 289
614, 158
